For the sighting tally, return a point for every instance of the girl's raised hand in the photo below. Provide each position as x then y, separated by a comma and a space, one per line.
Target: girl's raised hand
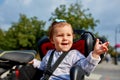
100, 48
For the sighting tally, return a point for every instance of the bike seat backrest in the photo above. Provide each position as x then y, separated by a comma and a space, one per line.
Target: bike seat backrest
85, 44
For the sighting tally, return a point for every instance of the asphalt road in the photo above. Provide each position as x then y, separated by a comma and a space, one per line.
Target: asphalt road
105, 71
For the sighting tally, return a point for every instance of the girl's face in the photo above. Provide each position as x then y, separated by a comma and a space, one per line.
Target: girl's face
62, 38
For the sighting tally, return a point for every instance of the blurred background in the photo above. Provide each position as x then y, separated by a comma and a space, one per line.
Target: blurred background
24, 22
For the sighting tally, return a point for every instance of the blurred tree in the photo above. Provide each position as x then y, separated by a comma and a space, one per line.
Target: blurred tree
74, 14
112, 51
2, 39
25, 33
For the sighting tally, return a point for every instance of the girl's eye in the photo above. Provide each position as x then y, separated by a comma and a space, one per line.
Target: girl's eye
69, 35
60, 35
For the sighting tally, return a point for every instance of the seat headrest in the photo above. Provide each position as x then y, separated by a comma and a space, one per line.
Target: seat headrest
86, 42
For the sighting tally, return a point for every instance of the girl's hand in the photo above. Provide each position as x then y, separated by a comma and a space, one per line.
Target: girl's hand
31, 62
100, 48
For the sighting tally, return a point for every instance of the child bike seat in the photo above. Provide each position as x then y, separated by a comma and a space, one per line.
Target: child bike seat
85, 44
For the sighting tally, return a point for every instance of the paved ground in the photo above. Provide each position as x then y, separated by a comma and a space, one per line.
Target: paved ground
105, 71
